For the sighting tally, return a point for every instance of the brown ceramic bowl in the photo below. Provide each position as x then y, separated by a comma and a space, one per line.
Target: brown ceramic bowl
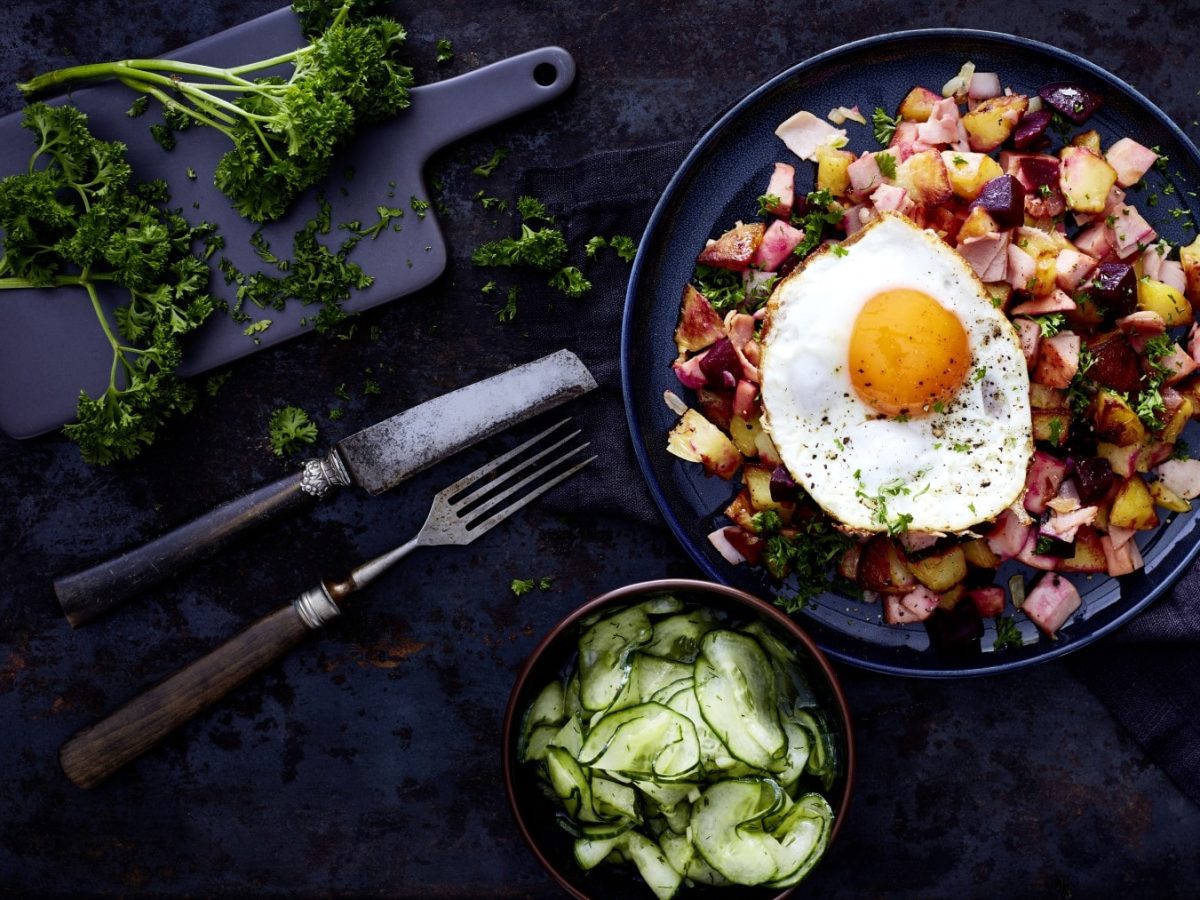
535, 814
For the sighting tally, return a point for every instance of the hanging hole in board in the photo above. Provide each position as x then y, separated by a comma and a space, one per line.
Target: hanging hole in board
545, 74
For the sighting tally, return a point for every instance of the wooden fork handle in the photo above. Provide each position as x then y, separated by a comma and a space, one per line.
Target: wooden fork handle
97, 752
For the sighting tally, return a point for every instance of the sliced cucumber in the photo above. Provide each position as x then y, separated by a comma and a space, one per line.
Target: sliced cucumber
665, 794
604, 651
802, 836
648, 740
678, 849
590, 853
714, 755
728, 833
653, 673
661, 605
570, 784
798, 752
735, 686
651, 862
570, 736
678, 637
613, 800
823, 758
538, 742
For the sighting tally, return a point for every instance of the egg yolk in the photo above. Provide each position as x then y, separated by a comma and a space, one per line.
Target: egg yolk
907, 353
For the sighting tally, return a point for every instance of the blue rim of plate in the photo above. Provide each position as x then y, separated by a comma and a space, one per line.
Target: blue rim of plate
1176, 556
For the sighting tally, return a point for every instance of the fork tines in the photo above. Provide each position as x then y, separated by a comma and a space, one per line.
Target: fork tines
494, 484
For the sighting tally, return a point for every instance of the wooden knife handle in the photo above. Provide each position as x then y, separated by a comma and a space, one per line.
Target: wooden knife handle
97, 752
93, 591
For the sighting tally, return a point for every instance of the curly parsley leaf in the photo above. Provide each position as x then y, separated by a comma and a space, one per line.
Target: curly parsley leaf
884, 126
485, 169
290, 429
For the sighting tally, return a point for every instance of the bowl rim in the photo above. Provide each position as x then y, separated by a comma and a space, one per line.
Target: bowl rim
512, 714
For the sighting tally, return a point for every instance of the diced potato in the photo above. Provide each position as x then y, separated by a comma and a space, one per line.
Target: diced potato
1115, 422
969, 172
744, 433
833, 170
1133, 506
918, 104
1043, 281
1156, 296
758, 482
977, 224
768, 454
696, 439
740, 512
1189, 257
699, 325
883, 568
1000, 292
735, 249
979, 554
1037, 242
1051, 425
1178, 421
949, 598
1043, 397
1089, 139
942, 570
992, 121
1167, 498
924, 176
1190, 388
1085, 179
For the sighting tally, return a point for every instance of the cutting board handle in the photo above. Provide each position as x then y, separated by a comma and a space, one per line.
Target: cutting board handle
452, 109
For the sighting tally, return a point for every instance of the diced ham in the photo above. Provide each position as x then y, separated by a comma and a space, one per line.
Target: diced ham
744, 399
1193, 344
1178, 363
1124, 460
987, 254
915, 606
864, 174
779, 240
1064, 525
1071, 267
740, 327
1119, 536
905, 142
1142, 322
1159, 452
1058, 360
753, 351
1123, 559
689, 373
1181, 476
1030, 335
890, 197
1007, 535
1030, 557
963, 141
1052, 601
1042, 481
1094, 240
1152, 260
1128, 231
1171, 273
1021, 267
804, 134
942, 125
856, 217
1130, 160
783, 186
916, 541
1056, 301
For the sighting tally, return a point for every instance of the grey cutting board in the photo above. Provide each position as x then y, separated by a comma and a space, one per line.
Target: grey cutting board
51, 346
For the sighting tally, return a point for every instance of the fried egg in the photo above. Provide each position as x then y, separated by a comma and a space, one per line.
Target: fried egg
895, 391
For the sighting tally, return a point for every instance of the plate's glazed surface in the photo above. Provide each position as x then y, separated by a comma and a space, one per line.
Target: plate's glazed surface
719, 182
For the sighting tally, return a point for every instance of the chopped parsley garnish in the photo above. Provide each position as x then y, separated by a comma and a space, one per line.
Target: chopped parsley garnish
445, 50
290, 429
884, 126
958, 160
887, 164
570, 281
522, 586
139, 106
766, 203
419, 206
839, 250
807, 556
485, 169
625, 246
766, 522
723, 288
1050, 324
822, 211
1007, 634
594, 245
508, 311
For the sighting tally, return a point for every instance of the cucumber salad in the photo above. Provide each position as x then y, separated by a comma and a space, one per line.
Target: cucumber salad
689, 745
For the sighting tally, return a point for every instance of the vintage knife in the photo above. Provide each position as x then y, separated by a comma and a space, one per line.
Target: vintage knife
376, 458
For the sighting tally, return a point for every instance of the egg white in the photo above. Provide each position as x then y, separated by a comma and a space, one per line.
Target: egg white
950, 470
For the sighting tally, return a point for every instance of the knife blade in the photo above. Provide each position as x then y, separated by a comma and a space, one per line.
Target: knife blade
377, 458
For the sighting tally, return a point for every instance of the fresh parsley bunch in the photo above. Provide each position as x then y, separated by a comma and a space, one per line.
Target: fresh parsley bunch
284, 129
76, 221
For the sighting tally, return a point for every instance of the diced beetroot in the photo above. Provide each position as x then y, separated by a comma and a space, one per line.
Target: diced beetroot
783, 186
1052, 601
1093, 477
1114, 287
1003, 198
779, 240
721, 365
783, 486
1030, 335
1031, 557
955, 632
1038, 170
1130, 160
1007, 535
690, 372
1042, 480
750, 546
716, 406
988, 600
1058, 360
1115, 363
1074, 101
1121, 560
1031, 130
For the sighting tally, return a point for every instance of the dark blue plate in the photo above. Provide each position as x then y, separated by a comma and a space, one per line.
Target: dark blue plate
719, 182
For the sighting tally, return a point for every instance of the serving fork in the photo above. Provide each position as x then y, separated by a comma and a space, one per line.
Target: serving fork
458, 515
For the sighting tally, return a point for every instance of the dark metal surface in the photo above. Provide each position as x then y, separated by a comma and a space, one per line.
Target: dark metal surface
368, 761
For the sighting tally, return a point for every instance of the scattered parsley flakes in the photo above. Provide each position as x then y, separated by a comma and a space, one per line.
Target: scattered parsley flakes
290, 429
625, 246
594, 245
418, 206
884, 126
385, 214
766, 203
485, 169
139, 106
508, 312
887, 164
521, 586
1007, 634
445, 51
570, 281
839, 250
257, 327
